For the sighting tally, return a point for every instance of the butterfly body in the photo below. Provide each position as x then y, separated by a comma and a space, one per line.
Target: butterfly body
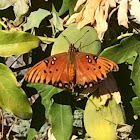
66, 70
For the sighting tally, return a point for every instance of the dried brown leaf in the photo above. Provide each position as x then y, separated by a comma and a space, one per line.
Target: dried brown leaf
50, 135
112, 3
134, 8
88, 13
78, 4
122, 13
117, 97
104, 98
101, 16
94, 12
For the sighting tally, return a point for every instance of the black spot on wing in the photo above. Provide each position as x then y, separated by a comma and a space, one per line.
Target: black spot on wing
45, 71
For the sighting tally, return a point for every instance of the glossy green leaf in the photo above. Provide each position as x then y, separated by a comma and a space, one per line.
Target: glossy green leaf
85, 40
46, 92
61, 121
16, 43
136, 105
127, 48
35, 19
100, 121
12, 97
135, 75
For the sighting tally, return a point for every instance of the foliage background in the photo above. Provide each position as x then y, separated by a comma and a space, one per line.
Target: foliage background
45, 20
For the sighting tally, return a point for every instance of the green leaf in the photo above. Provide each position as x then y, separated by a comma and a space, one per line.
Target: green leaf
67, 5
46, 92
12, 97
71, 6
85, 40
100, 121
35, 19
127, 48
132, 59
61, 120
57, 22
5, 4
136, 105
16, 43
135, 75
63, 6
32, 132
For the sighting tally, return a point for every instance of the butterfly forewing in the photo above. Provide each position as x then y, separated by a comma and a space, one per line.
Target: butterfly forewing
52, 70
92, 69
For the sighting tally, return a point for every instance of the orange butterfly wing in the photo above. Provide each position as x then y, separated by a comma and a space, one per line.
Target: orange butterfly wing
52, 70
67, 69
91, 69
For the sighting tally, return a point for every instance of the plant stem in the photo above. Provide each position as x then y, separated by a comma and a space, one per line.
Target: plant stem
46, 39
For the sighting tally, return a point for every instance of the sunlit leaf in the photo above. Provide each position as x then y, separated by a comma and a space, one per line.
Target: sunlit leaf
15, 43
85, 40
12, 97
100, 121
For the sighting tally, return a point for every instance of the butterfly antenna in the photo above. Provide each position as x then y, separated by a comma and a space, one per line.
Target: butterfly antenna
89, 43
66, 39
81, 36
76, 40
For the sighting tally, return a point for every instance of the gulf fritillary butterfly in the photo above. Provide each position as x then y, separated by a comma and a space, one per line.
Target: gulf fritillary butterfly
68, 69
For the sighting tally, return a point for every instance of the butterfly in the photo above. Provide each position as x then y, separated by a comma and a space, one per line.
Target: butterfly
68, 69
